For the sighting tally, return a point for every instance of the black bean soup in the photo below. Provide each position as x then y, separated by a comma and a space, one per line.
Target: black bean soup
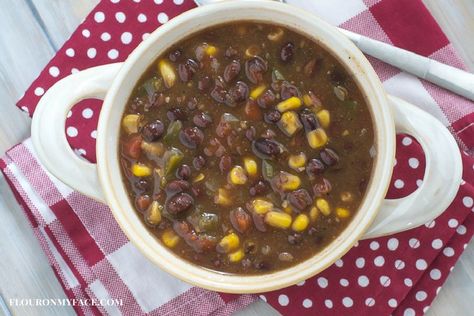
246, 148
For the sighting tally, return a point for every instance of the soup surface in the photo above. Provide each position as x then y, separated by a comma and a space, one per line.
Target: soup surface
246, 148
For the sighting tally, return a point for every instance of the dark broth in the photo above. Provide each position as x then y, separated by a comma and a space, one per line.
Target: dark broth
197, 126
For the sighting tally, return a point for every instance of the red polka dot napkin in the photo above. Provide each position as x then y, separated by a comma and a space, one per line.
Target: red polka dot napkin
399, 274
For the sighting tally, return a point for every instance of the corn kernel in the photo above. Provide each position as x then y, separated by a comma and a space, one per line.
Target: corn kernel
257, 91
153, 213
278, 220
289, 123
261, 206
229, 242
324, 118
297, 162
140, 170
313, 214
211, 50
286, 207
237, 175
250, 166
342, 212
199, 177
170, 238
222, 197
317, 138
345, 132
323, 206
130, 123
167, 72
236, 256
289, 182
291, 103
300, 223
307, 100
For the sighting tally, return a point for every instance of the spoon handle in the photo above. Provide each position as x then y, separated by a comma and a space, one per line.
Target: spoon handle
450, 78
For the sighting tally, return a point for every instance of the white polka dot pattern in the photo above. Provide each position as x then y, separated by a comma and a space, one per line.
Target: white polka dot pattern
283, 300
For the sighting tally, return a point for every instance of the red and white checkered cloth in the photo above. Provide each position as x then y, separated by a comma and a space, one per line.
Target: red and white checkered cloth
92, 258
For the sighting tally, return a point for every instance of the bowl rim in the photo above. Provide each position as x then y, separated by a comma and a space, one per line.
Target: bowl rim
203, 17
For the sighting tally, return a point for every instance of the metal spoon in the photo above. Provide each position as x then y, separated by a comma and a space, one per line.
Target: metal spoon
456, 80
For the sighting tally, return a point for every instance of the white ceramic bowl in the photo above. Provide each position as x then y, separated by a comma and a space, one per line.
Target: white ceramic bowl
116, 81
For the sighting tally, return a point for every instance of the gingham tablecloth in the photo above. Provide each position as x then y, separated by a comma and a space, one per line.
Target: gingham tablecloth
92, 258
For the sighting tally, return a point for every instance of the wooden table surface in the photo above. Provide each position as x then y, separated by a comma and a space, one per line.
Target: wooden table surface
30, 33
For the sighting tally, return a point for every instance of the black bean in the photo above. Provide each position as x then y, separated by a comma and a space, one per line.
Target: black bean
250, 133
199, 162
175, 114
259, 188
142, 202
329, 157
179, 203
225, 164
231, 71
202, 119
223, 128
309, 120
272, 116
314, 167
142, 185
219, 92
191, 137
153, 131
266, 148
300, 199
240, 220
204, 83
187, 70
287, 52
255, 68
259, 222
237, 94
175, 55
158, 100
266, 99
192, 104
295, 239
322, 188
289, 90
183, 172
177, 186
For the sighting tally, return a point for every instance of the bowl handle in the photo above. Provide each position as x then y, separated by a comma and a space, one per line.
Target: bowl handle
443, 173
49, 122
